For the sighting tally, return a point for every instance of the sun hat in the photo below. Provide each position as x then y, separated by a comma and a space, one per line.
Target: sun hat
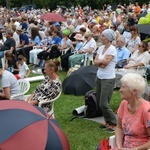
78, 37
109, 34
66, 32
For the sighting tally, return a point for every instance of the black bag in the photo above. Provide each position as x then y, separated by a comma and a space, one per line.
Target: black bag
92, 108
121, 63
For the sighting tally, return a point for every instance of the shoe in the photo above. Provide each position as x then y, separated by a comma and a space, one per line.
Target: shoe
111, 129
104, 126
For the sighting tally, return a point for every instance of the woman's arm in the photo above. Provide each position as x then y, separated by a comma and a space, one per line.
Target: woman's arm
102, 63
6, 93
136, 65
119, 134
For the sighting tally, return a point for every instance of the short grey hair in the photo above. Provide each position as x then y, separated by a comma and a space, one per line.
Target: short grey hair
122, 39
134, 81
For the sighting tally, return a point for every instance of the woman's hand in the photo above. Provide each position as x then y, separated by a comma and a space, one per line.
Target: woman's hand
127, 66
33, 102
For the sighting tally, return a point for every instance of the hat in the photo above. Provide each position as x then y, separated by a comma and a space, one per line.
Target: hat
66, 32
56, 24
18, 29
78, 37
109, 34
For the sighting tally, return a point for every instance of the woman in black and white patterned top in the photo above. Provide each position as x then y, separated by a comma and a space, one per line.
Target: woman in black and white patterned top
50, 87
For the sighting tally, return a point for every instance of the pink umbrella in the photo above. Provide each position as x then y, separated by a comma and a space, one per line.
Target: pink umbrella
52, 17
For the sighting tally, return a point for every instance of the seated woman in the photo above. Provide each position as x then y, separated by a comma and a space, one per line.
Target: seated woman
140, 57
75, 47
35, 41
11, 63
50, 87
43, 45
42, 56
9, 85
135, 39
133, 126
88, 48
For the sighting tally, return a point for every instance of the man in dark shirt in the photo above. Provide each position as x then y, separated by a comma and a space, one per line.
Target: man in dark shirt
9, 44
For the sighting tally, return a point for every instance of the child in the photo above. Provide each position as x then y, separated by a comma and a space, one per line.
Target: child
24, 71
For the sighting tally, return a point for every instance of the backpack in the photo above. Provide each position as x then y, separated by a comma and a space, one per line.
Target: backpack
92, 108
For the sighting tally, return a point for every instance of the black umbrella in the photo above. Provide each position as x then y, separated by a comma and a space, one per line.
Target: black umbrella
80, 81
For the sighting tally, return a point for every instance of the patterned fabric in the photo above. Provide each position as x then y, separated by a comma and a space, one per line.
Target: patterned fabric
75, 59
47, 90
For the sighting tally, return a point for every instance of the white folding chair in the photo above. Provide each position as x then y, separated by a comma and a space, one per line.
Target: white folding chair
51, 102
24, 88
112, 141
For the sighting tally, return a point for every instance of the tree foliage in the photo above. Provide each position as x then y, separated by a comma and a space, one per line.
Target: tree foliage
52, 4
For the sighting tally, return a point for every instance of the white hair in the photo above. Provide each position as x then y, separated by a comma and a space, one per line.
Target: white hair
134, 81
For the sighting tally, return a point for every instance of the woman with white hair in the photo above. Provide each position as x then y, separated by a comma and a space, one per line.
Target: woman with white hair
106, 61
133, 126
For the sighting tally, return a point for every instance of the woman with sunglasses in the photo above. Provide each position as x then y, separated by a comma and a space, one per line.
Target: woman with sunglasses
140, 57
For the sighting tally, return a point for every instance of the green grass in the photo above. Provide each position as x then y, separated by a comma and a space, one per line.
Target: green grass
81, 133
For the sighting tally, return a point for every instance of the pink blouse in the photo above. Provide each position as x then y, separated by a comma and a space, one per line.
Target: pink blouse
135, 125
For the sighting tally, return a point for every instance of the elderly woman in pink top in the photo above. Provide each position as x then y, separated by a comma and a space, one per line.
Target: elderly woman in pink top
133, 127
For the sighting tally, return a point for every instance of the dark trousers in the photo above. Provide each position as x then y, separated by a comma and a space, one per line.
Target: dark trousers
25, 52
104, 90
64, 60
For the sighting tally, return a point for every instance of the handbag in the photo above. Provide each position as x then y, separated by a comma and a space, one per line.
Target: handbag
104, 145
121, 63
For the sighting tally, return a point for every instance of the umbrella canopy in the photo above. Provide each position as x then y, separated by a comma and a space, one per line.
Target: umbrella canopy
80, 81
25, 127
52, 17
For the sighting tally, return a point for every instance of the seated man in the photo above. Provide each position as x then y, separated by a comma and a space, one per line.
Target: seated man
9, 44
9, 85
24, 40
122, 52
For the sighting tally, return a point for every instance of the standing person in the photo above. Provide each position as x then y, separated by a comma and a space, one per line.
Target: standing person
106, 61
133, 126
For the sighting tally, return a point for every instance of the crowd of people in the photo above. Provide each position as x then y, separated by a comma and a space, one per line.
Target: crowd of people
112, 35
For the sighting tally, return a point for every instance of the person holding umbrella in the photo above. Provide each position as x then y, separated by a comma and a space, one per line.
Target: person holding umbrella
106, 61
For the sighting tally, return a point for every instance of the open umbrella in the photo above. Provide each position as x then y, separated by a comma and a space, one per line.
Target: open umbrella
80, 81
25, 127
52, 17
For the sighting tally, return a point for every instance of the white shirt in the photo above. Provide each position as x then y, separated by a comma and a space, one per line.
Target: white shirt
23, 70
16, 38
109, 71
88, 45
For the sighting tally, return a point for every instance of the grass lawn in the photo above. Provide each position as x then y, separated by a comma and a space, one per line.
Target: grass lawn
82, 134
